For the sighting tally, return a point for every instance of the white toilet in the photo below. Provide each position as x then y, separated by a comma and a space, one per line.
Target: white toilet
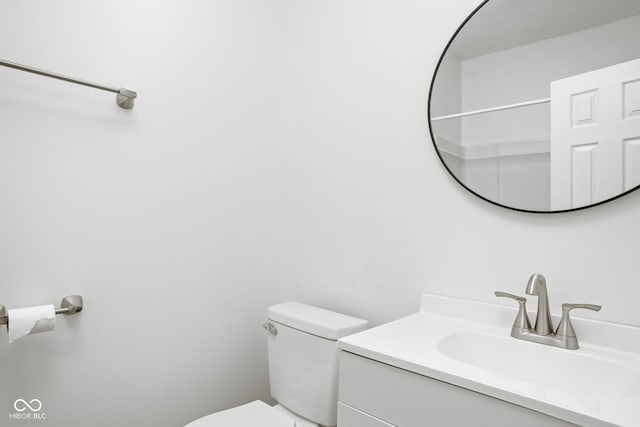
303, 370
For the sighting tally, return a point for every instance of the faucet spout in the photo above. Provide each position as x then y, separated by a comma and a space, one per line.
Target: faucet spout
537, 285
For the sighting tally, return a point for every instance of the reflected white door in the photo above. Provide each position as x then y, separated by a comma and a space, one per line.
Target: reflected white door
595, 135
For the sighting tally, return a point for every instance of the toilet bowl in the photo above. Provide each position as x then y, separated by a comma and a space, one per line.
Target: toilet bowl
253, 414
303, 370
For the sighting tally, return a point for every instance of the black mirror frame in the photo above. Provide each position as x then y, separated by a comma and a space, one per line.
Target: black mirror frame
433, 140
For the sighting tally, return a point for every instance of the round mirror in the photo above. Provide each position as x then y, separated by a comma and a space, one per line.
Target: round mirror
535, 104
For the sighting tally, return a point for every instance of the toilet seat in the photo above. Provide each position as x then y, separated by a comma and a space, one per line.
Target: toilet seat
253, 414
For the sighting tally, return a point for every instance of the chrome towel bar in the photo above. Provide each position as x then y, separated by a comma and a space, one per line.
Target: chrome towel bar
125, 98
70, 305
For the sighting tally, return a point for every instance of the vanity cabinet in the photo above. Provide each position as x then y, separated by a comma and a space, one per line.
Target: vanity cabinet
374, 394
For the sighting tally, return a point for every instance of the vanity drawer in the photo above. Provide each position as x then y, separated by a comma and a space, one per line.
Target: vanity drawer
350, 417
406, 399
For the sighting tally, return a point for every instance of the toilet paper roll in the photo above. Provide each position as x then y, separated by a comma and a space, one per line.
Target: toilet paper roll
31, 320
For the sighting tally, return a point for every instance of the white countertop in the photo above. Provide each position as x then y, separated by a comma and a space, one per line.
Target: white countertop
415, 343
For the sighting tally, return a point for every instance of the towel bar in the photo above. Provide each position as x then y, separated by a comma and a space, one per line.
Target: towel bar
125, 98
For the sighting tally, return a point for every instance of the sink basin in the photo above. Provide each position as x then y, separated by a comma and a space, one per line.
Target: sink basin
557, 369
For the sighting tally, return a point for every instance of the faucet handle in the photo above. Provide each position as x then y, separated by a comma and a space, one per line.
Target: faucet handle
565, 328
568, 307
512, 296
522, 320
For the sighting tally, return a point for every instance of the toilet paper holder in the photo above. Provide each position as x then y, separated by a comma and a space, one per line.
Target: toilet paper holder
70, 305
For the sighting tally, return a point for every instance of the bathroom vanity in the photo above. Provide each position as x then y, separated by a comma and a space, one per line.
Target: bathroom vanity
454, 364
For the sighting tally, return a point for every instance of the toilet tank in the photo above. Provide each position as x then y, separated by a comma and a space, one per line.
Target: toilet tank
303, 358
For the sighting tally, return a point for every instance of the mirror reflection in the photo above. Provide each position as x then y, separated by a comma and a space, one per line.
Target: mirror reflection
536, 104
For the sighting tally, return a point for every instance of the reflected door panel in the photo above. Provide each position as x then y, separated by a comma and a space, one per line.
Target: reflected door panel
595, 135
631, 163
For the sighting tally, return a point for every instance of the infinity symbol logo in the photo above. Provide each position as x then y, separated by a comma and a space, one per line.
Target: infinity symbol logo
21, 405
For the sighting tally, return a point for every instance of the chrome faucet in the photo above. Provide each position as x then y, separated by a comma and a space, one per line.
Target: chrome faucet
542, 332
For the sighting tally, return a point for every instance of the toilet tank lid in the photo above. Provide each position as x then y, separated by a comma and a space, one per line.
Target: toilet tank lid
316, 321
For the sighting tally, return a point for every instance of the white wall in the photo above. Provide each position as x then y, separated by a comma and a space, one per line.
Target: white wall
164, 218
233, 185
525, 181
374, 219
